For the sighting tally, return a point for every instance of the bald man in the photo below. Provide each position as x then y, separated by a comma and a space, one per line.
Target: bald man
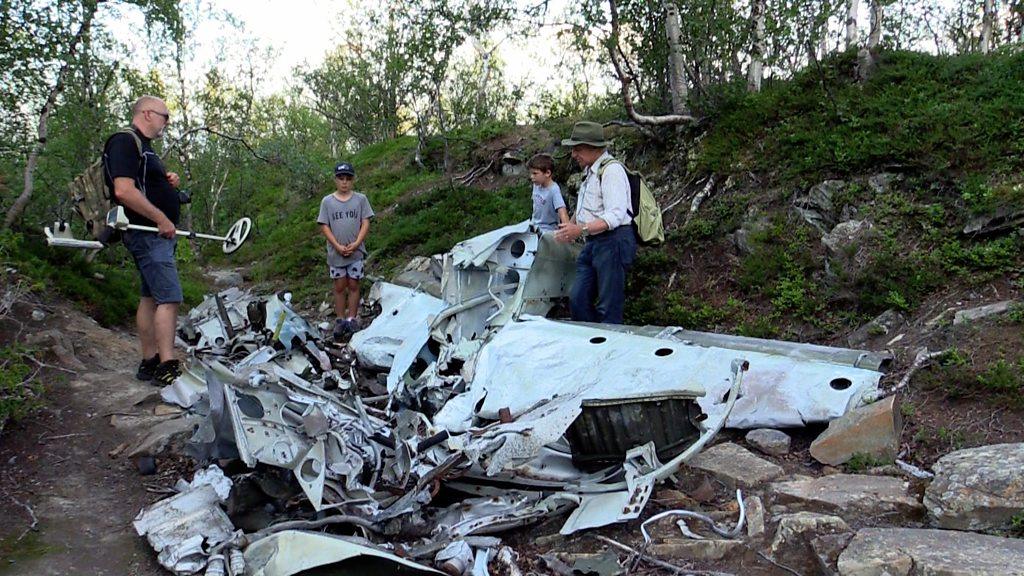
149, 195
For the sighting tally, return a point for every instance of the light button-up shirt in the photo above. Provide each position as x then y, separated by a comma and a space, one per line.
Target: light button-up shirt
606, 197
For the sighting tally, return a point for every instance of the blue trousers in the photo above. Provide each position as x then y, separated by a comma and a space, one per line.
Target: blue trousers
598, 295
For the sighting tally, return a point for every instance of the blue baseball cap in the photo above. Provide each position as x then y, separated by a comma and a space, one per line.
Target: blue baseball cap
343, 169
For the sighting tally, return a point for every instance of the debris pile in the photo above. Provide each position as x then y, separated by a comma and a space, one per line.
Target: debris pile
514, 416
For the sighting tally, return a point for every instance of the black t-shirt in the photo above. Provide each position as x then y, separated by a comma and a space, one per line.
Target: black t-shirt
123, 162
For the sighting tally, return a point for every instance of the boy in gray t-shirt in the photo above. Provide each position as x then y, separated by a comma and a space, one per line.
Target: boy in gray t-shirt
345, 221
548, 205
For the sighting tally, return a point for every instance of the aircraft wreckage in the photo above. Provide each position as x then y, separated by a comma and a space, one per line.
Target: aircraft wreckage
526, 417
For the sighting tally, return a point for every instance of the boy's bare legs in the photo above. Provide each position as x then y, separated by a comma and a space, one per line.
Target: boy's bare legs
144, 317
340, 285
353, 298
165, 322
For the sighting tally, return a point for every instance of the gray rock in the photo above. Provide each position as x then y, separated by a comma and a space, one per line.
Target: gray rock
977, 488
816, 206
769, 441
972, 314
872, 430
848, 495
701, 550
827, 548
794, 528
424, 273
907, 551
226, 278
882, 182
754, 509
750, 227
169, 435
848, 248
886, 324
735, 466
38, 315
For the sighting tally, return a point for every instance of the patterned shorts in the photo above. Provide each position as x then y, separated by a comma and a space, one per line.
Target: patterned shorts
353, 270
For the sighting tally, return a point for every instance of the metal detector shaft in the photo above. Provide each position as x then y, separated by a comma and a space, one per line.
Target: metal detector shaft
185, 233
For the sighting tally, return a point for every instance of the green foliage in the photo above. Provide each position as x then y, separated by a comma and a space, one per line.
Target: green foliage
861, 461
959, 376
932, 113
20, 395
106, 288
1017, 525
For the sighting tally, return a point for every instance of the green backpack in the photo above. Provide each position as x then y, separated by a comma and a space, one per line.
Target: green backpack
644, 208
90, 196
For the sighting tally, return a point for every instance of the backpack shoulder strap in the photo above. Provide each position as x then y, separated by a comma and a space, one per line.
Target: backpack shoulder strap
605, 164
138, 146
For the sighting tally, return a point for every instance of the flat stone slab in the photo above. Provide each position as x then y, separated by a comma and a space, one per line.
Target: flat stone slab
736, 466
906, 551
848, 493
972, 314
872, 430
701, 550
977, 488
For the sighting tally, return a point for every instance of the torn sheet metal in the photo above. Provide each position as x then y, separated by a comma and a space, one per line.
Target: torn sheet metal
535, 359
403, 312
184, 527
292, 551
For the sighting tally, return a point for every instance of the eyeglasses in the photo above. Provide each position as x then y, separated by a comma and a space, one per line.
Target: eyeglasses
166, 117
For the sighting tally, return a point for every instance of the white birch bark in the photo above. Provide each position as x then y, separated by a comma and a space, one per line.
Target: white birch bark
875, 37
676, 65
756, 70
851, 22
987, 19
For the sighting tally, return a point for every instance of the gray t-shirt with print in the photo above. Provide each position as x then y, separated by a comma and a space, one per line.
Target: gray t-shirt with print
344, 217
546, 202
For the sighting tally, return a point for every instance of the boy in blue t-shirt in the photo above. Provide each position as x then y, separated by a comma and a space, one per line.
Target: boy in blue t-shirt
548, 206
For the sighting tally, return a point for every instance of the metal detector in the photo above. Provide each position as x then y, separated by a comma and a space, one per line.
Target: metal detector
233, 240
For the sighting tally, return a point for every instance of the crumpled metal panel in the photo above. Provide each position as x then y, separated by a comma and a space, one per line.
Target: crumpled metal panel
535, 359
293, 551
183, 527
403, 311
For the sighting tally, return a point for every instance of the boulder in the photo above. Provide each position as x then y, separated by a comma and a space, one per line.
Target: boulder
872, 430
972, 314
827, 548
735, 466
769, 441
848, 248
750, 227
882, 182
977, 488
907, 551
848, 495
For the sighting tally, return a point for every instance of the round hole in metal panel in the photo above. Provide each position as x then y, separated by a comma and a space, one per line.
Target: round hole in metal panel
518, 248
310, 470
840, 383
512, 279
250, 406
663, 351
598, 340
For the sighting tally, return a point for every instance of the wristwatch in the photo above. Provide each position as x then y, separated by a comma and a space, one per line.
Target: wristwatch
584, 231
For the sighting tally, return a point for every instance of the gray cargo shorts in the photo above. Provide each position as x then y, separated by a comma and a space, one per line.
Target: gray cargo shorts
154, 258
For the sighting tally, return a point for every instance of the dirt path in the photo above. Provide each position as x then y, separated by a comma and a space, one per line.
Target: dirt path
58, 464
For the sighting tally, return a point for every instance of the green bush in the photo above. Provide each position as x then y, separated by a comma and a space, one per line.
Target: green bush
20, 395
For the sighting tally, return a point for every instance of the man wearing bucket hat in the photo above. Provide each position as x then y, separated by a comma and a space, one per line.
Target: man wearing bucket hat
603, 220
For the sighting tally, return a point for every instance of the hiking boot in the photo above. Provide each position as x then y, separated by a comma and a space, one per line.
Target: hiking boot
342, 327
146, 368
166, 372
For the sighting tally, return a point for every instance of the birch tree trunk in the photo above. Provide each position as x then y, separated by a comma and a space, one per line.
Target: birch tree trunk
21, 202
875, 37
851, 23
987, 19
756, 70
676, 65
